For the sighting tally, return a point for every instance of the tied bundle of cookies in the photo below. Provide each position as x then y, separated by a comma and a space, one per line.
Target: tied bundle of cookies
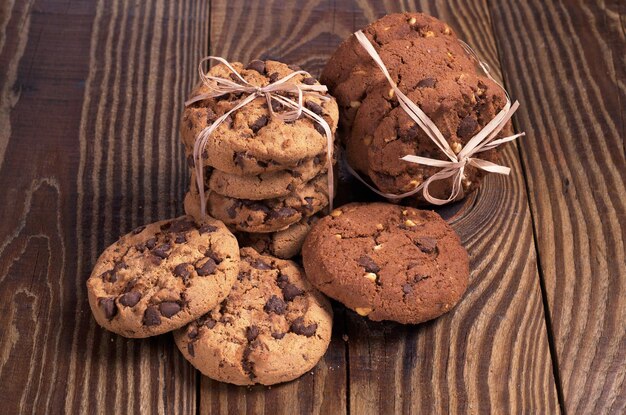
421, 116
266, 167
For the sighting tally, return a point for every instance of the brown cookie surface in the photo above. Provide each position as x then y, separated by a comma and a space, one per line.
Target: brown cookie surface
400, 40
266, 185
273, 326
387, 262
284, 244
163, 275
251, 141
268, 215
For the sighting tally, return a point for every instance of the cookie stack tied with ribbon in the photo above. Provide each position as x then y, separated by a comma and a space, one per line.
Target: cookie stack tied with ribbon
420, 113
259, 144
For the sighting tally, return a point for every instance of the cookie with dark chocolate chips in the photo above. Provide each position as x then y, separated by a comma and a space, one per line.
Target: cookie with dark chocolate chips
387, 262
254, 142
273, 326
269, 215
262, 186
162, 276
284, 244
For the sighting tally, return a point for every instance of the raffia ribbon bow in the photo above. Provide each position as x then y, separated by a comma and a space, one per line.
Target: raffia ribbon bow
219, 86
454, 167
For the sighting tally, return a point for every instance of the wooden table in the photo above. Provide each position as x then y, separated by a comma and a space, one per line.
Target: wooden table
90, 98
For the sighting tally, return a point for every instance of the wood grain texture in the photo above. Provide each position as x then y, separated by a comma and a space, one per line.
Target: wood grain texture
565, 60
491, 354
90, 97
299, 33
90, 94
304, 33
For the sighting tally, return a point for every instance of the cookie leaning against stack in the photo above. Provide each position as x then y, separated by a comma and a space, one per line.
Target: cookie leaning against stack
263, 174
162, 276
431, 67
387, 262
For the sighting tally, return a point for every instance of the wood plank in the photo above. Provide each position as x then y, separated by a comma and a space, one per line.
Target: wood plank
90, 98
566, 62
300, 33
491, 353
303, 33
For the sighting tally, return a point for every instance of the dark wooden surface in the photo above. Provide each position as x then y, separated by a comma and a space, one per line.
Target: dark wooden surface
576, 175
90, 95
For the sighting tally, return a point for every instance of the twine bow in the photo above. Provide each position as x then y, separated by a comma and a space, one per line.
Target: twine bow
219, 86
454, 167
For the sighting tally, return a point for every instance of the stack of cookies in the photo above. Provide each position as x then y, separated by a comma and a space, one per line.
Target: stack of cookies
434, 70
263, 175
238, 316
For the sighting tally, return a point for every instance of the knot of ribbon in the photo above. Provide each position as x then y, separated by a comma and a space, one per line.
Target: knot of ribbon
277, 91
454, 167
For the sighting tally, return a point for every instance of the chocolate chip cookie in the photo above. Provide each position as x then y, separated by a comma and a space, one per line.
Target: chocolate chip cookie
251, 141
162, 276
387, 262
263, 186
431, 67
272, 327
283, 244
268, 215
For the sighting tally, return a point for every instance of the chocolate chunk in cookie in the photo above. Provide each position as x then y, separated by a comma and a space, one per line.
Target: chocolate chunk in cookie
108, 307
299, 327
130, 299
257, 65
275, 305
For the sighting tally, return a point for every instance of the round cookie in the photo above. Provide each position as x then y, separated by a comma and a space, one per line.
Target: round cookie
272, 214
284, 244
429, 64
162, 276
387, 262
263, 216
265, 185
251, 141
273, 326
